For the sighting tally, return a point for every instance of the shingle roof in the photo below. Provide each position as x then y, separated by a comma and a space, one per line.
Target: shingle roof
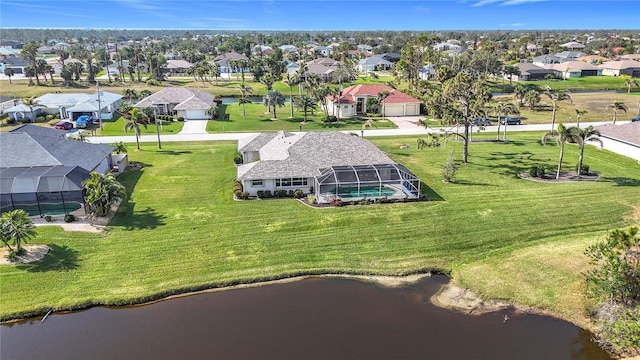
178, 95
31, 145
372, 90
629, 132
572, 65
620, 65
178, 64
302, 155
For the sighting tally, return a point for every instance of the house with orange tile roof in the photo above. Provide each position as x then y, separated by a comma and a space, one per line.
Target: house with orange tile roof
353, 101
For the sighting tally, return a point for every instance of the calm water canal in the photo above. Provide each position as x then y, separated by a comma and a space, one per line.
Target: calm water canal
311, 319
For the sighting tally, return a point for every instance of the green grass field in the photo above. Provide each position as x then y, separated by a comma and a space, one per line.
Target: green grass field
180, 230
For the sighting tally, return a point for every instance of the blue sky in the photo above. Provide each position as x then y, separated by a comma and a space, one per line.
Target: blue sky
321, 14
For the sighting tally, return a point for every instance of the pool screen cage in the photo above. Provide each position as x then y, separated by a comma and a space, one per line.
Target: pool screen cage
357, 182
45, 190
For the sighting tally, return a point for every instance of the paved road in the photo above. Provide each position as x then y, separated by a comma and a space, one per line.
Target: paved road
195, 131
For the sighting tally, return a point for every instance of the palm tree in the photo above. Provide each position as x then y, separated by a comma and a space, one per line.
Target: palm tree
556, 96
382, 96
274, 98
532, 97
16, 227
119, 147
244, 91
504, 109
129, 93
561, 136
31, 102
519, 92
291, 81
9, 72
579, 114
267, 80
144, 93
135, 119
305, 103
616, 106
630, 82
101, 192
581, 137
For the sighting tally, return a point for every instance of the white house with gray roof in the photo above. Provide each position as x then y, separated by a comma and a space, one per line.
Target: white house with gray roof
328, 164
180, 101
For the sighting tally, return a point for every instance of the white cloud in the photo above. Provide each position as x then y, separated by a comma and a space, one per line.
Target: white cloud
504, 2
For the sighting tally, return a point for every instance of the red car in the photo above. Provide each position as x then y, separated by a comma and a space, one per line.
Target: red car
64, 125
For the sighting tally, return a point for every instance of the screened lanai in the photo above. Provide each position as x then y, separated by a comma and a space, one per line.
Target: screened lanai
357, 182
42, 190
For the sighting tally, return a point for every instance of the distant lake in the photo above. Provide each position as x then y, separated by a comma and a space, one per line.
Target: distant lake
316, 318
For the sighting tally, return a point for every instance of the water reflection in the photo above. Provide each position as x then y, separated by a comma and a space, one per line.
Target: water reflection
310, 319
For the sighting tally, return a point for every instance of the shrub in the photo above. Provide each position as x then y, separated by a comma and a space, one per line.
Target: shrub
311, 199
267, 194
153, 82
180, 118
337, 202
584, 170
260, 194
280, 193
237, 158
69, 218
13, 253
47, 218
330, 119
449, 168
298, 194
41, 119
49, 117
537, 171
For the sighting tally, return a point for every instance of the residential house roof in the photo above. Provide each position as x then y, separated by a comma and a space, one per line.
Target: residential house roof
15, 61
183, 97
592, 58
570, 55
78, 102
374, 60
393, 57
31, 145
372, 90
178, 64
572, 45
325, 61
620, 64
571, 65
629, 132
547, 59
530, 68
303, 154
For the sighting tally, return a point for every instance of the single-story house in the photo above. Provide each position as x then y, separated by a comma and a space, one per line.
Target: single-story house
529, 71
393, 57
621, 67
573, 45
547, 59
6, 102
69, 106
623, 139
180, 101
289, 49
374, 63
574, 69
177, 66
292, 68
428, 72
353, 101
226, 62
41, 171
570, 55
114, 69
329, 165
262, 49
16, 63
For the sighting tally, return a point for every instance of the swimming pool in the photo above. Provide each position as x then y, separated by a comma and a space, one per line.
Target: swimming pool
365, 192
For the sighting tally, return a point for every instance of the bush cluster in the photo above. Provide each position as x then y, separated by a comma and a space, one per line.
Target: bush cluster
69, 218
266, 194
537, 171
584, 170
237, 191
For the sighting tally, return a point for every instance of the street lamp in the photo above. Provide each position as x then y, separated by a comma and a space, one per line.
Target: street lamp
155, 119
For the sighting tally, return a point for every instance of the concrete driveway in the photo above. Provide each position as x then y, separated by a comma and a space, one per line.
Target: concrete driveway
194, 127
406, 122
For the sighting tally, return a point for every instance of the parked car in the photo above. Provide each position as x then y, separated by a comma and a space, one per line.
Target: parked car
64, 125
83, 121
637, 118
481, 122
510, 120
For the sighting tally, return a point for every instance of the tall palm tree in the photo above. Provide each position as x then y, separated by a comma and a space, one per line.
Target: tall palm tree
556, 96
579, 114
532, 97
135, 119
31, 102
519, 92
581, 137
16, 227
631, 82
245, 90
561, 136
382, 96
500, 109
101, 192
274, 98
291, 81
617, 106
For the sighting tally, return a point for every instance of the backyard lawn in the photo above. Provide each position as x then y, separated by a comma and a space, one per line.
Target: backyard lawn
180, 229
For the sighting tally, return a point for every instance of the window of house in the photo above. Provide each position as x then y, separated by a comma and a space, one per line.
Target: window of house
257, 183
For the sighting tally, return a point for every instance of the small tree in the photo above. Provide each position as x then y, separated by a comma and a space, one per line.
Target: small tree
101, 192
16, 228
617, 106
119, 147
449, 168
134, 120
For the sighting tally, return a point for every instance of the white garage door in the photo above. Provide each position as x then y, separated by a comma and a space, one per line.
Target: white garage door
412, 109
393, 110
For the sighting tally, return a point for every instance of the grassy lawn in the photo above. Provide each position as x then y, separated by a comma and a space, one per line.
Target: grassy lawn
116, 126
257, 119
180, 229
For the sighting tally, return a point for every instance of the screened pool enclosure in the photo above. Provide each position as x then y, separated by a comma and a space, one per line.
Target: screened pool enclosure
358, 182
45, 190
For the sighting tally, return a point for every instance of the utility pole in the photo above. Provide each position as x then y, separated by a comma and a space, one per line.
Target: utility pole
99, 105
